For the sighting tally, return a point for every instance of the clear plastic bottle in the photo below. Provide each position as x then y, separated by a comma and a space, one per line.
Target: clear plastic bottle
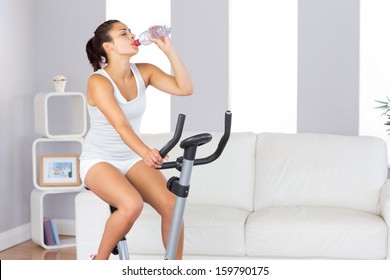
156, 31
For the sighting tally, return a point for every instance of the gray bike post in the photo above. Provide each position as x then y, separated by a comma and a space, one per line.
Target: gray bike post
178, 212
180, 186
123, 251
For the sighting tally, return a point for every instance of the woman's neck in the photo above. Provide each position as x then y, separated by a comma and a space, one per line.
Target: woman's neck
119, 69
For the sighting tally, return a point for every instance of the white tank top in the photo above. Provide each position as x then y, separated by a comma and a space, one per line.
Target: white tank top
102, 140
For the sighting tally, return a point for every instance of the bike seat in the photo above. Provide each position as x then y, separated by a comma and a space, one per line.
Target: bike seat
196, 140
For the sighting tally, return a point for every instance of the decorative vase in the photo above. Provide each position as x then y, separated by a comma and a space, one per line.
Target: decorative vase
59, 83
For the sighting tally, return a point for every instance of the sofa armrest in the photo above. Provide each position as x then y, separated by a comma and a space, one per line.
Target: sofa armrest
384, 210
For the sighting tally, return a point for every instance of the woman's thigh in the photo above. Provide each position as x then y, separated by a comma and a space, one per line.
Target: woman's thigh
111, 186
151, 185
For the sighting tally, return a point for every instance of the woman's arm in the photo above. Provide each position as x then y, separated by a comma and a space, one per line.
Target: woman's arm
178, 84
101, 95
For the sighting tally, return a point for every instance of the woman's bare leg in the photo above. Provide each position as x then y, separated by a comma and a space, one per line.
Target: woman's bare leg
151, 185
114, 188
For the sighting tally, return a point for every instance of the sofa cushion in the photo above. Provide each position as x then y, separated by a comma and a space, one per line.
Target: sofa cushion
91, 215
319, 170
315, 232
228, 181
204, 226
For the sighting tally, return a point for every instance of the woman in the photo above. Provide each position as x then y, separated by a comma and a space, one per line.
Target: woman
115, 164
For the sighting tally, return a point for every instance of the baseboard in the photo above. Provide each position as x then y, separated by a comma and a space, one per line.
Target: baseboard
22, 233
15, 236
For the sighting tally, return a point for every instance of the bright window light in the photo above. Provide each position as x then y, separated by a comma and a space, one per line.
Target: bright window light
263, 52
374, 66
138, 16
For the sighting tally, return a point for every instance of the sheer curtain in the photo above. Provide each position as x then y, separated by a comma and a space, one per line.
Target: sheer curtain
263, 64
138, 16
374, 66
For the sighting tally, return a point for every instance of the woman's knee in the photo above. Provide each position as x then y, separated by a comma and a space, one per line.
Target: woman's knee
131, 210
168, 207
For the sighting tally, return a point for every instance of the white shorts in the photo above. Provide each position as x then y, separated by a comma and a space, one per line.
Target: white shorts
122, 165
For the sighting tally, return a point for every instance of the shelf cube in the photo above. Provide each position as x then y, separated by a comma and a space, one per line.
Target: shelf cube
60, 115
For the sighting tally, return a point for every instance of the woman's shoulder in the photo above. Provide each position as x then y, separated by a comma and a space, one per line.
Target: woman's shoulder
146, 69
98, 83
98, 78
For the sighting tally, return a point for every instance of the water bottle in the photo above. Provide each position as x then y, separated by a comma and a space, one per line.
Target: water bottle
156, 32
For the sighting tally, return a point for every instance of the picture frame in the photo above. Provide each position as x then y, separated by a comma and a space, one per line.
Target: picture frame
59, 170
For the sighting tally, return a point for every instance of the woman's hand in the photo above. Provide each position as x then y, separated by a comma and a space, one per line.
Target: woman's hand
153, 159
164, 43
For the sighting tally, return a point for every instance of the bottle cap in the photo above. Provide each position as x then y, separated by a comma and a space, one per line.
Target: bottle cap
137, 43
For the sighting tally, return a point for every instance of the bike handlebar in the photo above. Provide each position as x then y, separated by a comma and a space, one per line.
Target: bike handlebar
176, 137
222, 143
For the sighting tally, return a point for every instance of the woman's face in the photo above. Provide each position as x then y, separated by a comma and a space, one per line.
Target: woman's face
122, 39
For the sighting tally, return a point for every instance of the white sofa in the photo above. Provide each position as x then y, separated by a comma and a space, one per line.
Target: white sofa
269, 195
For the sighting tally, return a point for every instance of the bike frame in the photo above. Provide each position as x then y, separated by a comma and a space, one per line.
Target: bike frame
180, 185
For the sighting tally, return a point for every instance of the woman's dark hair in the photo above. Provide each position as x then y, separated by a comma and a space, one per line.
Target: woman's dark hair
95, 52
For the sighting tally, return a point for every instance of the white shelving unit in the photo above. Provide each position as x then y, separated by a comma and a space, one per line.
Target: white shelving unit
61, 123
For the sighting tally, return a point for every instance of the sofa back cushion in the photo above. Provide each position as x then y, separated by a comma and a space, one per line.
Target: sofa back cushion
228, 181
319, 170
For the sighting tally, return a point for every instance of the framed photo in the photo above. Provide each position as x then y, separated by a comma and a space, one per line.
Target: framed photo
59, 170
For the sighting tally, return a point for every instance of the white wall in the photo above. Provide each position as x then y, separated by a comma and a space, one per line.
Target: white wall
19, 82
328, 66
39, 39
202, 39
64, 28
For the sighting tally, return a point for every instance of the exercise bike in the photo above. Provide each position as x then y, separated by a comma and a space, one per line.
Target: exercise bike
180, 185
